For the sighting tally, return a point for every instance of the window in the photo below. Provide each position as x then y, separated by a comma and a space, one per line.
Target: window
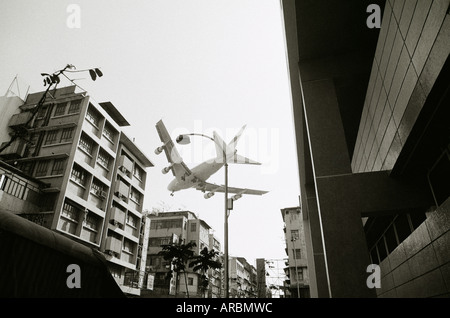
86, 144
67, 134
51, 137
103, 159
108, 132
60, 109
74, 106
34, 138
78, 175
297, 253
166, 224
190, 281
42, 111
97, 187
128, 246
26, 167
382, 249
294, 235
299, 274
92, 116
91, 221
158, 241
138, 172
41, 169
131, 220
193, 227
58, 166
70, 211
402, 226
135, 196
391, 239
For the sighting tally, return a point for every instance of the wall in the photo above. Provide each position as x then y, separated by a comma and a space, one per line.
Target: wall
420, 266
413, 45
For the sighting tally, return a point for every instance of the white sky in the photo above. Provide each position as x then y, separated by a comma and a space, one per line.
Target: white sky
200, 65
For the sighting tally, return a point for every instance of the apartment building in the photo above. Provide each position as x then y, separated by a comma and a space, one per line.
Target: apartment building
94, 176
297, 263
180, 226
215, 275
243, 278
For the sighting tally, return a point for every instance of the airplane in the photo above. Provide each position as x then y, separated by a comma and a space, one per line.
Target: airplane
196, 177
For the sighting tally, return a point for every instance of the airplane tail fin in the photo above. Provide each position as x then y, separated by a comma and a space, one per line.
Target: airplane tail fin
231, 152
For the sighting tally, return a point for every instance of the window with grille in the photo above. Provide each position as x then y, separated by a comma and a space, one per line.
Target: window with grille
294, 235
91, 221
193, 227
86, 144
135, 196
131, 220
70, 211
297, 253
58, 166
74, 106
33, 138
158, 241
92, 116
166, 224
41, 169
50, 138
41, 112
103, 158
26, 167
60, 109
67, 134
128, 246
78, 175
108, 132
138, 172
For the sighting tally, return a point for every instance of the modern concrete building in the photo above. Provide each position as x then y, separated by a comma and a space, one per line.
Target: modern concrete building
92, 175
171, 227
371, 117
297, 263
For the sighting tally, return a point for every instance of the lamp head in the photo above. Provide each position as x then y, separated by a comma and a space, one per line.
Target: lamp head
183, 139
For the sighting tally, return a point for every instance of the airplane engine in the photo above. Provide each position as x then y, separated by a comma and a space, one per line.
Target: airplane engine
166, 169
237, 197
208, 195
158, 150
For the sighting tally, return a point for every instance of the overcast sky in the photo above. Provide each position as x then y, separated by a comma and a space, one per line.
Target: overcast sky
200, 65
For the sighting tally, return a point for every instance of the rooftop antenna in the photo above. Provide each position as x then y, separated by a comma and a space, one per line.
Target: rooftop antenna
12, 92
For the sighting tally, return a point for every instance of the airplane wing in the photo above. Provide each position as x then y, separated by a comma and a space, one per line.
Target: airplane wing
178, 167
211, 187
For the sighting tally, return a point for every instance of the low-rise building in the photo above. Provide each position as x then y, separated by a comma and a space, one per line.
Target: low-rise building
297, 264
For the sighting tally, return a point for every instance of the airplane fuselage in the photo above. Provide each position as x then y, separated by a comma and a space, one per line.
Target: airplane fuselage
200, 173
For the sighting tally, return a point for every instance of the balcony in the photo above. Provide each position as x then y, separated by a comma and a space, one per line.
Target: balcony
18, 121
125, 164
121, 189
113, 245
15, 150
117, 216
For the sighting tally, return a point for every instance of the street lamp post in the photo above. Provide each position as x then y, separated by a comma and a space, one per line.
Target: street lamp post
184, 139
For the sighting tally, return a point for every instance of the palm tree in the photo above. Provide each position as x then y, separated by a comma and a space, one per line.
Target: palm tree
178, 253
202, 263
